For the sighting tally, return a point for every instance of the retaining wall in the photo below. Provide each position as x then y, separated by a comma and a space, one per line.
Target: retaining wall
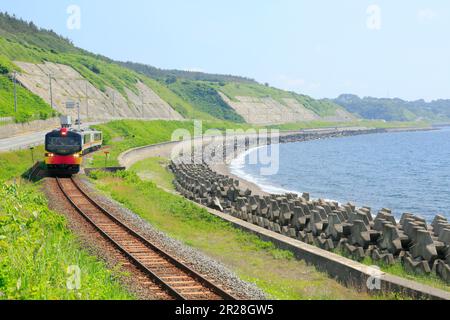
11, 130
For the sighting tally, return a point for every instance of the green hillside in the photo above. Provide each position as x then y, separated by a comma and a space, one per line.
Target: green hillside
323, 108
395, 109
206, 99
23, 41
202, 91
162, 74
183, 107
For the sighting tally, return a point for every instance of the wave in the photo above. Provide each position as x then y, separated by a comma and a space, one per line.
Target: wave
237, 167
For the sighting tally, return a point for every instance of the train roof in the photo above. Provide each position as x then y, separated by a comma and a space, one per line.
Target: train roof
89, 130
75, 131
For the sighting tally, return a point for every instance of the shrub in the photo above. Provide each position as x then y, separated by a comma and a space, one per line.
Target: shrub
3, 69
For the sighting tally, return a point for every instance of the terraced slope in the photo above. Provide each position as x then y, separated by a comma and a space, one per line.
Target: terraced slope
259, 104
69, 85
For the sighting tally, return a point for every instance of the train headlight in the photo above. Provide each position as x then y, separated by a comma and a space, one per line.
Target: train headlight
50, 155
76, 155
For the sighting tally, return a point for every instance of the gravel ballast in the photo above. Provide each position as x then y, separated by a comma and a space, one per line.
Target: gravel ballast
198, 261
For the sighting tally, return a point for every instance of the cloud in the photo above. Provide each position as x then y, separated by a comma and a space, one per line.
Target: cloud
426, 15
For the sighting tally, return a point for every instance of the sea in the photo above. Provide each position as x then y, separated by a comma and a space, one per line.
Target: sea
402, 171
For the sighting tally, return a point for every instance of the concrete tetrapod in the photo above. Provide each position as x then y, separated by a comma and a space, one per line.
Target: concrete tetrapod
424, 246
390, 239
325, 223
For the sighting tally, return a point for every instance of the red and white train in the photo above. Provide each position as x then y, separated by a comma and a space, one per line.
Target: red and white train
65, 148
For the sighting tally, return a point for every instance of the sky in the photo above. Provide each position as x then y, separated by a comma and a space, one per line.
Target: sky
322, 48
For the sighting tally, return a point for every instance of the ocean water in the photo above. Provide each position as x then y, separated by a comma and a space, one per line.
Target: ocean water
406, 172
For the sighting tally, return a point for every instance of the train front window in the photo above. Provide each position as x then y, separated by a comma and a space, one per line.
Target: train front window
63, 145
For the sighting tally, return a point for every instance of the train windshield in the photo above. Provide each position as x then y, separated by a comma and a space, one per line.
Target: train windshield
63, 145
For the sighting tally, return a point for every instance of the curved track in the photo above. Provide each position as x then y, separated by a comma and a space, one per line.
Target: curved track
168, 277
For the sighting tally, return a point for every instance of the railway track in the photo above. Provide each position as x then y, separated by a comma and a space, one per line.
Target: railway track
167, 277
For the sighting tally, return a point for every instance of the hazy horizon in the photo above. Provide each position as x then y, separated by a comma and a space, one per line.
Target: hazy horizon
377, 49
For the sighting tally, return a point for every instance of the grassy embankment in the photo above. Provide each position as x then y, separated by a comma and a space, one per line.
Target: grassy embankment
275, 271
37, 248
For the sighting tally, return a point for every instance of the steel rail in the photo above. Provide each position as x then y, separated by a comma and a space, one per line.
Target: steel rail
157, 279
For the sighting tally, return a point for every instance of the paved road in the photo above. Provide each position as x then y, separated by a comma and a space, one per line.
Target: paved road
26, 141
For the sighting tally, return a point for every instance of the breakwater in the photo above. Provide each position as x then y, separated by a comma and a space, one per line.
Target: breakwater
356, 232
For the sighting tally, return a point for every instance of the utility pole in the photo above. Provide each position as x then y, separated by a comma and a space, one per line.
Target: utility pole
51, 92
79, 119
142, 102
15, 91
87, 100
114, 103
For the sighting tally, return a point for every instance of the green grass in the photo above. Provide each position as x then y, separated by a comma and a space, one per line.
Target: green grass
397, 269
206, 99
15, 164
29, 106
37, 248
99, 72
275, 271
155, 169
183, 107
6, 66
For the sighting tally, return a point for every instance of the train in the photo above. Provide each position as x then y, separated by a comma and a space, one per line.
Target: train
65, 148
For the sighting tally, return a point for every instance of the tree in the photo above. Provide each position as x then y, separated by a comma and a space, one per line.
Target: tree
171, 79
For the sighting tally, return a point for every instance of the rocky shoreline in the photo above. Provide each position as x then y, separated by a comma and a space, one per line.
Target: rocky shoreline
355, 232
